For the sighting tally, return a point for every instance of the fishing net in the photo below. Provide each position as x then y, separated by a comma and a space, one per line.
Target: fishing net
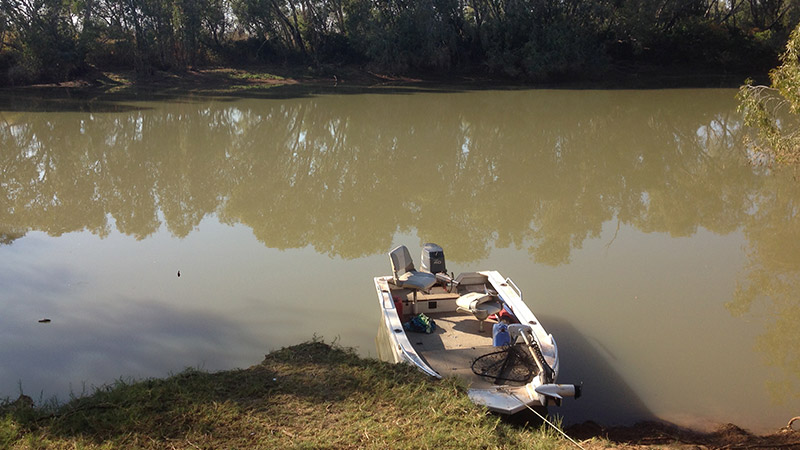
511, 364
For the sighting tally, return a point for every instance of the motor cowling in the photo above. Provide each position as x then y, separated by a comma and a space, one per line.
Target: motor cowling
433, 259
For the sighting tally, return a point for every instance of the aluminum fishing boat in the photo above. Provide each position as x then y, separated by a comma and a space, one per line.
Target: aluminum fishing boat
474, 326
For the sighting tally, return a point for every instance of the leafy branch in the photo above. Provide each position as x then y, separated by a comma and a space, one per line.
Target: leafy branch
774, 110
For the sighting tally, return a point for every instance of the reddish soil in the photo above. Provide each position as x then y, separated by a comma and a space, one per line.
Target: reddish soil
659, 435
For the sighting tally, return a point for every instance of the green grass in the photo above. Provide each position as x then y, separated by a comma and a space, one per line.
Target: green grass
255, 76
312, 395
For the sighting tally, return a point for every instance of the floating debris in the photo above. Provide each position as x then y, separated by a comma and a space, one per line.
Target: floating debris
44, 320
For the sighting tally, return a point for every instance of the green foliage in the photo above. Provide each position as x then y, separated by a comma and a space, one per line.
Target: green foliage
55, 40
537, 40
8, 431
786, 78
43, 38
398, 36
255, 16
773, 111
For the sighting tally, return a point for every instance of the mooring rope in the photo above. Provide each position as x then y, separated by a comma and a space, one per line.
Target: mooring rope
789, 426
544, 419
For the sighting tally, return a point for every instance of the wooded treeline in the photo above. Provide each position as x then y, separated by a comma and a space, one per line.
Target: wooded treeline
56, 40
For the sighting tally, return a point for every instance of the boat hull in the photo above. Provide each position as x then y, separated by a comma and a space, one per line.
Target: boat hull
460, 339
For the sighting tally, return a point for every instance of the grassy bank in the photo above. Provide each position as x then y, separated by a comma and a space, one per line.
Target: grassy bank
311, 395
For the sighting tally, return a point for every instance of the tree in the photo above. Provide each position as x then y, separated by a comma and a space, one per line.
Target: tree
774, 110
46, 38
767, 14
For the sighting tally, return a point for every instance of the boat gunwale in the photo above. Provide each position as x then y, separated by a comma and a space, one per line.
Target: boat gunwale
397, 333
510, 295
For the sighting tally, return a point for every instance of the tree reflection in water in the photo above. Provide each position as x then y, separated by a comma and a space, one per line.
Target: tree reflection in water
540, 170
770, 285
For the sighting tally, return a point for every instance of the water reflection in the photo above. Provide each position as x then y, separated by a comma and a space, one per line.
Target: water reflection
538, 171
771, 282
554, 166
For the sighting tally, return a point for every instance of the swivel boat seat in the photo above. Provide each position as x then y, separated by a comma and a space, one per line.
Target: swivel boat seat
481, 305
404, 275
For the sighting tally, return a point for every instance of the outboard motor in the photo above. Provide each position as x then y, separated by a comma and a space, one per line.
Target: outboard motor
433, 259
433, 262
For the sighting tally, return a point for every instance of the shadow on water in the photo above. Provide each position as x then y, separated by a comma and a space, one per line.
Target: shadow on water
54, 100
104, 100
112, 98
606, 398
225, 86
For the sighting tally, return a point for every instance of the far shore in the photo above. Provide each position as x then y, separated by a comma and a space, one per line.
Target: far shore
258, 79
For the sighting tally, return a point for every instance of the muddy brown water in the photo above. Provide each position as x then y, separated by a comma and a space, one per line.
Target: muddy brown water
140, 236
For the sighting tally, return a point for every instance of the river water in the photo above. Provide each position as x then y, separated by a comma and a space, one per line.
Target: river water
156, 234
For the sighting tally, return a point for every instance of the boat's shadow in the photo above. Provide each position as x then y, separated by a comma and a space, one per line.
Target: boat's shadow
607, 398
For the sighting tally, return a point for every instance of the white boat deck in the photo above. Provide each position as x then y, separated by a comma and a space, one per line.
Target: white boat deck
456, 342
460, 339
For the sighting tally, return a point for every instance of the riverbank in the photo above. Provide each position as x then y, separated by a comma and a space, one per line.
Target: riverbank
258, 80
316, 395
236, 79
